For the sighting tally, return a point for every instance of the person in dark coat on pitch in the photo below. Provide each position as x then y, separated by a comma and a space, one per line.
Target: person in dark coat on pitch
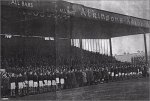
87, 76
106, 75
12, 85
25, 89
112, 73
74, 82
35, 81
77, 75
95, 76
103, 75
68, 80
91, 76
80, 78
145, 71
5, 85
62, 79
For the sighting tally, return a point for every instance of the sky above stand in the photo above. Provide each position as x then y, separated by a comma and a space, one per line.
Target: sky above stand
136, 8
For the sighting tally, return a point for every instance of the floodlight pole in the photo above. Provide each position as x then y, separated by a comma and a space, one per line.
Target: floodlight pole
146, 57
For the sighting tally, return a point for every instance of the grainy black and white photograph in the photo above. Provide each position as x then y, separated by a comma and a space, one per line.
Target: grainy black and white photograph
75, 50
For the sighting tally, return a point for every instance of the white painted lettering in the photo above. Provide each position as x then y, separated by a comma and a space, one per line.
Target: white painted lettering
102, 16
107, 18
83, 12
112, 19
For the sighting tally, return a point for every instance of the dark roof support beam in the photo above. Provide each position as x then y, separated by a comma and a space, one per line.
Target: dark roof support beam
110, 45
145, 44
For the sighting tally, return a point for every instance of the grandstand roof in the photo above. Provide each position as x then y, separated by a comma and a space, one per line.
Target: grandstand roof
92, 23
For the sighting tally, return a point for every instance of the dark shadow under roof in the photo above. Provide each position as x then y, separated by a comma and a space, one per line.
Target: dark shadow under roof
92, 23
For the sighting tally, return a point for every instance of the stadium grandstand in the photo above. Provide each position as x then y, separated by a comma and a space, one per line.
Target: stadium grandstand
55, 45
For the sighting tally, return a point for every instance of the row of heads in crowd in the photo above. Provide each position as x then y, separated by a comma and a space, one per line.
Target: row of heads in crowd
95, 66
66, 69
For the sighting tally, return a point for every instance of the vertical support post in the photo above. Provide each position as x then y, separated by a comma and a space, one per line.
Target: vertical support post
56, 41
88, 44
80, 40
96, 42
104, 45
146, 57
56, 38
99, 43
70, 25
81, 52
110, 45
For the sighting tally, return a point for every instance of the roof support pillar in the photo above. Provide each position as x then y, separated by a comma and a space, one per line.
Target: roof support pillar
146, 56
81, 51
70, 28
110, 45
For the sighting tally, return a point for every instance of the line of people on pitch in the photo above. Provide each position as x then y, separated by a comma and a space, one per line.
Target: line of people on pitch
34, 82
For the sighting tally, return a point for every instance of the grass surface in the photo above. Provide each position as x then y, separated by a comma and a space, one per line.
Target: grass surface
121, 90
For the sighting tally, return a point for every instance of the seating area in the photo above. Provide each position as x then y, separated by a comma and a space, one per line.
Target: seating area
33, 66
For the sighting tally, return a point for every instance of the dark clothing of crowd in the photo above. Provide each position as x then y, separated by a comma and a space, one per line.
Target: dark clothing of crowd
48, 80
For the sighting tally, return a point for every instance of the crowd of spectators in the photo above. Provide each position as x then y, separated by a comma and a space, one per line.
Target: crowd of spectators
38, 76
33, 70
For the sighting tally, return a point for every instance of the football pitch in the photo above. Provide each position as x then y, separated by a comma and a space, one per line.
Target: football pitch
135, 89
